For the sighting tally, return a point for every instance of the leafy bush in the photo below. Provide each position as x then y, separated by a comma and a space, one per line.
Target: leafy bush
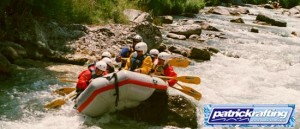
172, 7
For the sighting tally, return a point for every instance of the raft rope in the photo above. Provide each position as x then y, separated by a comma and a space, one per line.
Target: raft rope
116, 87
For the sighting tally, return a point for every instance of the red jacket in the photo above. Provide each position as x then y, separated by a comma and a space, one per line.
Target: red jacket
168, 71
85, 77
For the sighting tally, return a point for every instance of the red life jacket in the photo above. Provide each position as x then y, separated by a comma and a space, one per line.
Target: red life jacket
85, 77
169, 71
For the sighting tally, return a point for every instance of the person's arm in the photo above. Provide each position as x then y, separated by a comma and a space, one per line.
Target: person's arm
169, 71
128, 63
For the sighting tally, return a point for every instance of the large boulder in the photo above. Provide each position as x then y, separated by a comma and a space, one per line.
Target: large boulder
161, 109
150, 34
200, 54
270, 20
12, 51
187, 30
219, 10
137, 16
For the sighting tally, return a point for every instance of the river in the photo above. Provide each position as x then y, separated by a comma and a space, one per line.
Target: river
266, 72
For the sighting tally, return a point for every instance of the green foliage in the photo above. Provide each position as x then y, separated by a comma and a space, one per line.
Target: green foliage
172, 7
289, 3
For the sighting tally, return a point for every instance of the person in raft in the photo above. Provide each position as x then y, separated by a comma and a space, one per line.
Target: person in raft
164, 69
110, 65
139, 61
127, 51
105, 54
95, 70
154, 53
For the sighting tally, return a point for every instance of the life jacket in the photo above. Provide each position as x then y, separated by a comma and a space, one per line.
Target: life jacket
159, 69
137, 61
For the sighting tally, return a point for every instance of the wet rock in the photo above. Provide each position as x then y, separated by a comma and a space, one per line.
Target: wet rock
269, 6
254, 30
242, 10
150, 34
162, 48
239, 20
194, 37
5, 67
219, 10
206, 26
294, 33
294, 10
213, 50
167, 19
201, 54
174, 49
176, 36
161, 109
187, 22
187, 30
12, 51
272, 21
137, 16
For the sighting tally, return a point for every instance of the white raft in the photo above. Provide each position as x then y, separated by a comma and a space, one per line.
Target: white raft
101, 95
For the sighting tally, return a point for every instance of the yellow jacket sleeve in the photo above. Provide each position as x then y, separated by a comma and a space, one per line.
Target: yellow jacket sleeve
127, 66
147, 65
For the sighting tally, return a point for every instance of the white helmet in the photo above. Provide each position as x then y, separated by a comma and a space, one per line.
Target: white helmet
108, 61
106, 54
164, 56
101, 65
141, 46
154, 52
137, 38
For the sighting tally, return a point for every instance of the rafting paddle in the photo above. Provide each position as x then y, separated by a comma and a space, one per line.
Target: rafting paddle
64, 90
189, 91
59, 102
185, 79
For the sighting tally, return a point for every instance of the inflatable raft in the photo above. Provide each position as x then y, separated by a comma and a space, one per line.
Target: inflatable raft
117, 91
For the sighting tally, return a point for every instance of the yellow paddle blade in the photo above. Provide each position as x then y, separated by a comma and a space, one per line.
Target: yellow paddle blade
189, 79
185, 79
59, 102
55, 103
64, 90
193, 93
179, 62
66, 80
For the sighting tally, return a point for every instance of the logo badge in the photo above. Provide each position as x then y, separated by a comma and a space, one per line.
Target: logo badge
246, 115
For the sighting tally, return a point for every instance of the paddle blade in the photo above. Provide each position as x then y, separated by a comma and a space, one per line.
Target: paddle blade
189, 79
66, 80
64, 90
55, 104
191, 92
179, 62
197, 95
